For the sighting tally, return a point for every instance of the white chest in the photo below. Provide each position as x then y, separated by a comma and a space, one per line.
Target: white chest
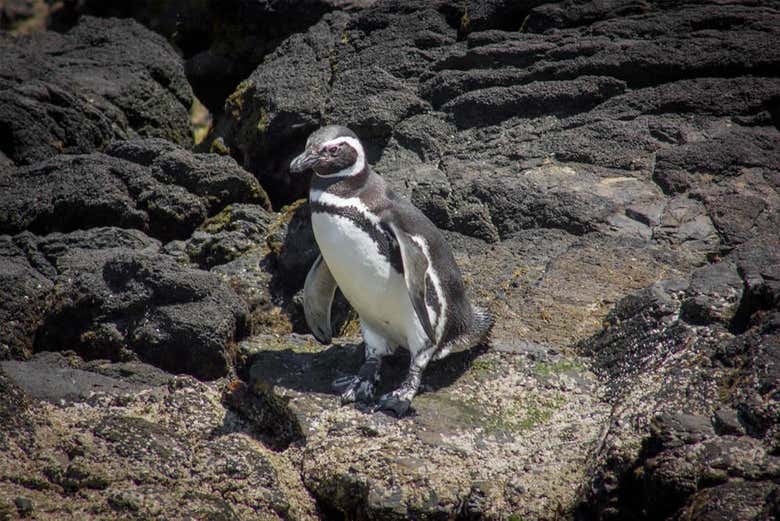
376, 290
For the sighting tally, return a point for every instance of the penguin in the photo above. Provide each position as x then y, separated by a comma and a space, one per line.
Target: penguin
392, 264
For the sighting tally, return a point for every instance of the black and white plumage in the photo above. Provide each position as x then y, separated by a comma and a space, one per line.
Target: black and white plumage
391, 263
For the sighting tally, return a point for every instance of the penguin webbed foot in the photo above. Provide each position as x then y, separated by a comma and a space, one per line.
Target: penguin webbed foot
354, 389
398, 401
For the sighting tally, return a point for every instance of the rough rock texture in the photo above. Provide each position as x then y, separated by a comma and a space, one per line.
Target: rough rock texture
150, 184
499, 418
127, 441
221, 42
110, 293
76, 92
607, 175
602, 148
707, 395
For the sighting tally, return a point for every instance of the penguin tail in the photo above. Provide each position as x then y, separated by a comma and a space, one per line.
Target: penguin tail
482, 322
482, 325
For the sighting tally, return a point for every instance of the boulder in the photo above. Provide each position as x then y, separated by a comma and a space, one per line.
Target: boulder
221, 42
22, 308
78, 91
122, 304
151, 185
111, 293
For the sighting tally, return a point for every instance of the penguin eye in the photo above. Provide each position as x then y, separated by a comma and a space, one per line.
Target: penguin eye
332, 149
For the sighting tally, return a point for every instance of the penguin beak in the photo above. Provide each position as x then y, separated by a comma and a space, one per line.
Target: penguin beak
308, 159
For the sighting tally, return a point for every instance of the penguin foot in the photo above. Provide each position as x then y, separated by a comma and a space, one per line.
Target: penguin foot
397, 401
353, 388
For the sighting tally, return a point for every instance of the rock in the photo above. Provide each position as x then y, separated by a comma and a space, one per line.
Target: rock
150, 185
110, 293
24, 506
111, 304
18, 424
674, 477
65, 380
168, 447
607, 176
278, 105
737, 500
221, 43
495, 104
78, 91
726, 421
659, 337
230, 234
714, 294
22, 308
480, 413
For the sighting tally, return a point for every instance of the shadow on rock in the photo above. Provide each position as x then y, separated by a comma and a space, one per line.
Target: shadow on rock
314, 371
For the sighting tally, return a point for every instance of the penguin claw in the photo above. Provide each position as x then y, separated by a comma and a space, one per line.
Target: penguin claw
394, 402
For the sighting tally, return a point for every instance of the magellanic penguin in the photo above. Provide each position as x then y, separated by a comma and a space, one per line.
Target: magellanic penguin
391, 263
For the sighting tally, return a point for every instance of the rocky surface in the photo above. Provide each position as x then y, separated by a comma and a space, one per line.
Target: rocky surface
151, 185
221, 42
76, 92
607, 174
128, 441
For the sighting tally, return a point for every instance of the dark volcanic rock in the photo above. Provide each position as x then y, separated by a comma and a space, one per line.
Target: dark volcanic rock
236, 230
59, 379
110, 304
278, 105
495, 104
656, 337
151, 185
24, 291
110, 293
76, 92
606, 173
222, 41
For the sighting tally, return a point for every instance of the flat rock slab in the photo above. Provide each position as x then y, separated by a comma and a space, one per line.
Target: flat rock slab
158, 448
508, 429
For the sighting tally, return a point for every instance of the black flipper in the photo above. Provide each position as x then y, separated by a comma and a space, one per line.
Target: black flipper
318, 294
415, 266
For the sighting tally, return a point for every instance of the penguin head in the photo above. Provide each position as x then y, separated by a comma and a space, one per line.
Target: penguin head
332, 151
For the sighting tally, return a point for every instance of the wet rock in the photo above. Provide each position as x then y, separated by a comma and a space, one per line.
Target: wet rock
151, 185
78, 91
